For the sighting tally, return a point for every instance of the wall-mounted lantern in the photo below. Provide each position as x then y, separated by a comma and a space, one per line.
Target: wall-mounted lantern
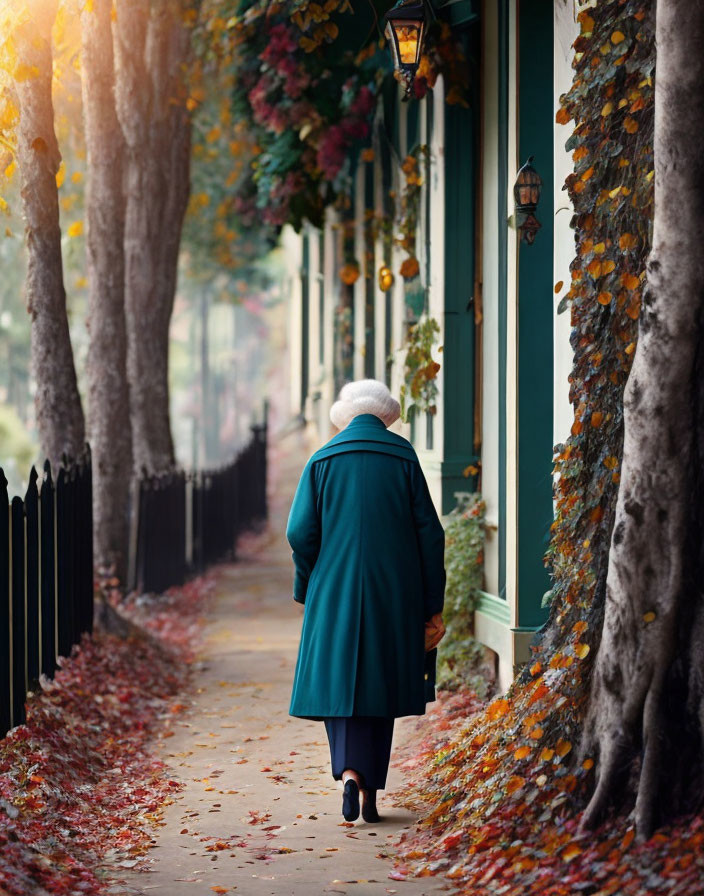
526, 195
405, 30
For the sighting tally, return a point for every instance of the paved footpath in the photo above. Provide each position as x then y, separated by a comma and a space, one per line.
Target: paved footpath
260, 812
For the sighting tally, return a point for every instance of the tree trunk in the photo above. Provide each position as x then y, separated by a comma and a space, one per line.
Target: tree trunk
646, 716
58, 404
150, 51
108, 411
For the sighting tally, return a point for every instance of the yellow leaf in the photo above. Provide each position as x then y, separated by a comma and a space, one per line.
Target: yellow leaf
608, 109
76, 229
581, 650
600, 248
25, 72
630, 348
546, 754
60, 175
10, 170
76, 177
607, 266
649, 617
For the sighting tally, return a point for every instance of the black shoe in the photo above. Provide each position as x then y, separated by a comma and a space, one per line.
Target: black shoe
369, 812
350, 800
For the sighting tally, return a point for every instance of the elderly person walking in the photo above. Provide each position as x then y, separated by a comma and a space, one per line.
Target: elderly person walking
368, 551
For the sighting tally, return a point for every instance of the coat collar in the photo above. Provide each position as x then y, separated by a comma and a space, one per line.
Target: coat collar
365, 419
367, 432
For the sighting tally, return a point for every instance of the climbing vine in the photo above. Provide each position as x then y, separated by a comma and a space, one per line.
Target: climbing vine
419, 387
503, 791
464, 565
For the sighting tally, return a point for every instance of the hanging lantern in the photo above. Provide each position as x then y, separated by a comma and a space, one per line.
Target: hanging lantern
405, 30
526, 195
386, 278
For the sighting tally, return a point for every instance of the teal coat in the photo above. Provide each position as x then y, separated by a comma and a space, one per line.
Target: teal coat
368, 550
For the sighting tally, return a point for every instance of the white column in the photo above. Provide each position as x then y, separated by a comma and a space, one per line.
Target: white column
565, 30
360, 286
512, 333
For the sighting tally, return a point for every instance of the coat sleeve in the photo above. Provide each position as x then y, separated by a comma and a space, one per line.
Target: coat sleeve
431, 543
303, 532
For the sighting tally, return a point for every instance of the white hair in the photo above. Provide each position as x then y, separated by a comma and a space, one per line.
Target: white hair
365, 397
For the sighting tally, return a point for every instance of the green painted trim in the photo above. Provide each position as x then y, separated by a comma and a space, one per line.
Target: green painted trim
369, 282
494, 607
305, 318
535, 316
461, 154
503, 23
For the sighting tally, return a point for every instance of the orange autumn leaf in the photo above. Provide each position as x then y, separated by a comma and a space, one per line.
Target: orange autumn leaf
633, 310
649, 617
571, 852
594, 268
617, 37
604, 298
576, 427
546, 754
627, 241
588, 173
522, 752
628, 839
498, 709
410, 268
597, 419
587, 764
579, 627
563, 747
563, 116
559, 285
536, 733
581, 650
611, 462
630, 125
630, 281
514, 783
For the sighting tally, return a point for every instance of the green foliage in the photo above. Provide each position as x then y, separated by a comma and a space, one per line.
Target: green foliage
465, 529
18, 449
419, 387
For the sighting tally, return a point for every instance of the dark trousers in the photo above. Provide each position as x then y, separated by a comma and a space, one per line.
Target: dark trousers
363, 744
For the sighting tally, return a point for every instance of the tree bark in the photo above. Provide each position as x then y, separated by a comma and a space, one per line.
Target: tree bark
646, 717
151, 46
108, 407
58, 403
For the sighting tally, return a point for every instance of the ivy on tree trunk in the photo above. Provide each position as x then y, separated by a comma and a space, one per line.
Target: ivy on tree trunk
58, 404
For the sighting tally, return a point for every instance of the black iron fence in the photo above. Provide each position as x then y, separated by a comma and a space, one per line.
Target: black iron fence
46, 579
182, 523
185, 522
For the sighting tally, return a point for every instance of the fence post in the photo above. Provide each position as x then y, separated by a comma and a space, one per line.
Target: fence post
19, 619
31, 508
47, 550
5, 630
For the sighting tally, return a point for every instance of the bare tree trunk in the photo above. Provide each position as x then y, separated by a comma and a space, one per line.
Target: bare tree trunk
150, 51
647, 699
109, 413
58, 404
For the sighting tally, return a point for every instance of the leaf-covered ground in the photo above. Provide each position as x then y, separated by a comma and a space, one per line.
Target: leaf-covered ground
499, 814
79, 785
